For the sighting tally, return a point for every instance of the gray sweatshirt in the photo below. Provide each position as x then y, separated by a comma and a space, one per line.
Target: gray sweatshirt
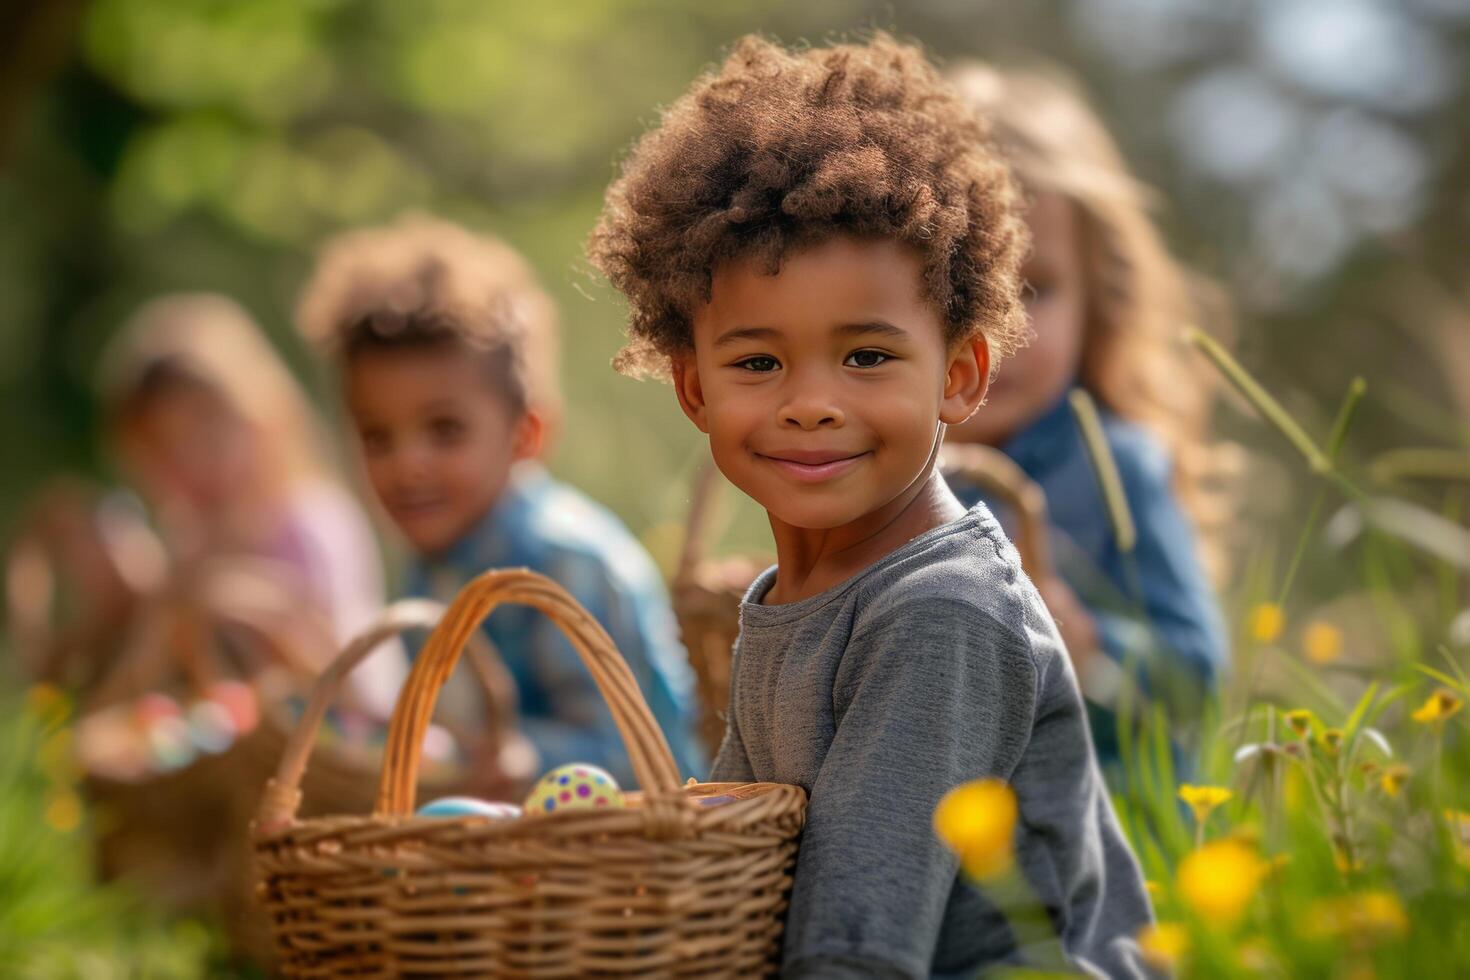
937, 665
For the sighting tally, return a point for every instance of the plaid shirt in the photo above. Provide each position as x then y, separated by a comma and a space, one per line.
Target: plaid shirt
548, 527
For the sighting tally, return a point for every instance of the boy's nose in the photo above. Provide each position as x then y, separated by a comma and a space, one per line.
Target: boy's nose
411, 461
812, 413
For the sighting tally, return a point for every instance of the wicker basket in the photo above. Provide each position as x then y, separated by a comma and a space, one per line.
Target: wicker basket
707, 593
664, 887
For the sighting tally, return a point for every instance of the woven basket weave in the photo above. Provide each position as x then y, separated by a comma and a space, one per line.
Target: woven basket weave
707, 592
665, 887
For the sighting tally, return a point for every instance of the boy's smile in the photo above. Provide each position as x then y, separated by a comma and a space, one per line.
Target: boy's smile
812, 466
822, 388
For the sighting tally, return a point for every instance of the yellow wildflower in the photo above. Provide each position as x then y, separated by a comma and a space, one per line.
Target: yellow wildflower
1364, 916
1163, 944
1219, 879
1203, 799
64, 811
1266, 621
978, 821
1322, 643
1394, 778
1441, 705
1381, 913
1300, 720
1331, 741
1343, 863
1154, 889
48, 703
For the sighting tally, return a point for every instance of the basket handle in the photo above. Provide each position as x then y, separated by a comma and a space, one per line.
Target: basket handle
996, 473
697, 523
653, 763
282, 796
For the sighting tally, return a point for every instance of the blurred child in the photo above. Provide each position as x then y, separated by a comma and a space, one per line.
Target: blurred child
822, 251
1107, 304
226, 449
445, 344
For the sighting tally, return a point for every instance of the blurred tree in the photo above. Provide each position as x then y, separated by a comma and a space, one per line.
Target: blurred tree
1312, 157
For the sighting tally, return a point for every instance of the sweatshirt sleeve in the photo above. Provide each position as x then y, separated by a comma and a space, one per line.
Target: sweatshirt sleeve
929, 694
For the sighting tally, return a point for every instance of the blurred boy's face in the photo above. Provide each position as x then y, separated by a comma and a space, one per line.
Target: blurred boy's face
437, 439
1056, 302
822, 388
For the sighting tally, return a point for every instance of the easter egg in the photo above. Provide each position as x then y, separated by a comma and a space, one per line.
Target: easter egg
468, 806
169, 743
575, 786
109, 743
714, 800
211, 727
151, 708
239, 700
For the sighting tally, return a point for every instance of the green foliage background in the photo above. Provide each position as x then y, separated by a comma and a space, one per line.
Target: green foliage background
152, 145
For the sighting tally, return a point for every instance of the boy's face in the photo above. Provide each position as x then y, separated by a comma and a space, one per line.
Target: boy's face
822, 388
437, 440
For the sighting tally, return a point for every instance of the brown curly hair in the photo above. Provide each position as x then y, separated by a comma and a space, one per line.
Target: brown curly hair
782, 149
421, 282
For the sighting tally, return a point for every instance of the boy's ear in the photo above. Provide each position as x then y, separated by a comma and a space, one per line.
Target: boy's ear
966, 381
528, 436
688, 389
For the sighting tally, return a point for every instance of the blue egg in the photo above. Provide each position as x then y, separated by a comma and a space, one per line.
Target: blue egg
714, 800
468, 806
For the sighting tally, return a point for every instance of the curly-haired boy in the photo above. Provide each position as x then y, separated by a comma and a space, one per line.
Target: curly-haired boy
445, 344
821, 251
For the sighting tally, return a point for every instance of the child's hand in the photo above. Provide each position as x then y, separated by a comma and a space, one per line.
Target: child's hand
1074, 622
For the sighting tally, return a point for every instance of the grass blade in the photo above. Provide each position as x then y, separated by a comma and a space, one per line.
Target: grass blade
1258, 396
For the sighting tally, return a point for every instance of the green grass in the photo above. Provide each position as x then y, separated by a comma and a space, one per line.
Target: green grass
56, 921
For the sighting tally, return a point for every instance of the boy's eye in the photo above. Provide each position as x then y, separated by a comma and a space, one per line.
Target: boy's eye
866, 358
760, 363
446, 428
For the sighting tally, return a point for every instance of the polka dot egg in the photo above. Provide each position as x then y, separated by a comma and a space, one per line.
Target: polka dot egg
575, 786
